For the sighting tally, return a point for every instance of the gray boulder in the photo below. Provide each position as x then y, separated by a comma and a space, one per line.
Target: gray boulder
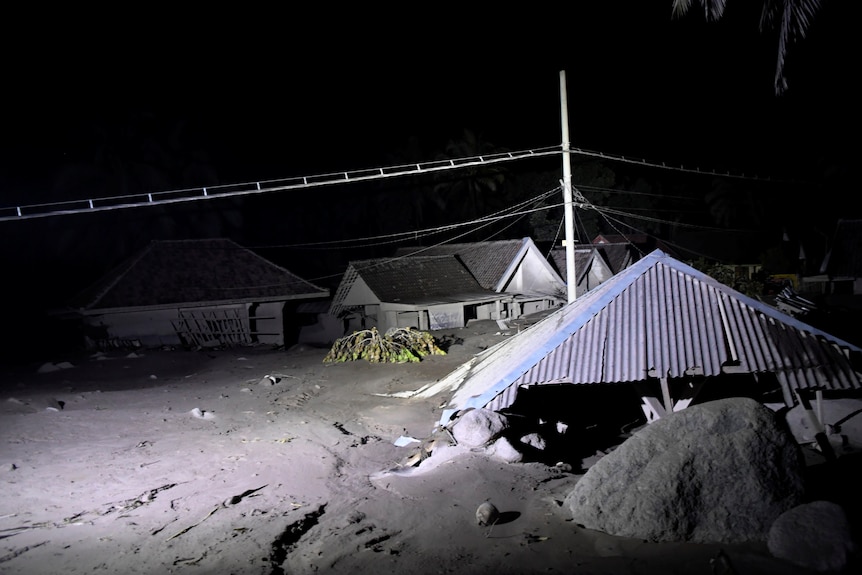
535, 441
479, 427
503, 449
721, 471
814, 535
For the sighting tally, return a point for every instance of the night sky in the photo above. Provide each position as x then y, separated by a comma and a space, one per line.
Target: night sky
107, 104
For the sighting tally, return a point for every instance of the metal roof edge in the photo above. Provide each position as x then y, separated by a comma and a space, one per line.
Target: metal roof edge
600, 298
760, 306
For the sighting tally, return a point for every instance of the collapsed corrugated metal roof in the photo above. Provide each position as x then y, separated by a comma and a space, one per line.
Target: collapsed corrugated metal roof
658, 318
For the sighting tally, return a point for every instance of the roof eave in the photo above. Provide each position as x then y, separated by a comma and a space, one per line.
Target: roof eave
214, 303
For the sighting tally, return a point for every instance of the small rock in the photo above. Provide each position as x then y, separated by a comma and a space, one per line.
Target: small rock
487, 514
202, 414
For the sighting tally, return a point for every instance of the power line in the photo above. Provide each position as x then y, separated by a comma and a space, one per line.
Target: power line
396, 237
69, 207
253, 188
682, 168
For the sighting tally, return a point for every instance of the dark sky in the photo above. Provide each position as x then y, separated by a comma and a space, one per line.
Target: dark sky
265, 95
286, 94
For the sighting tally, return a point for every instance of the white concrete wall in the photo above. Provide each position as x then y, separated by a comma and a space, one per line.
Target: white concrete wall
446, 316
534, 276
150, 328
267, 322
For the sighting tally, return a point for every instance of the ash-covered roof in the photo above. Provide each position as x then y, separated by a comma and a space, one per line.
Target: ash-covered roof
418, 280
488, 261
170, 273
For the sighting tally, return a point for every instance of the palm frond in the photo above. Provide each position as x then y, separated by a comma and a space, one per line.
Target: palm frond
714, 9
793, 19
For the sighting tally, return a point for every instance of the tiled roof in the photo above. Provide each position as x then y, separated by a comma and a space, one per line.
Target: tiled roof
419, 279
583, 259
194, 272
618, 256
639, 244
487, 261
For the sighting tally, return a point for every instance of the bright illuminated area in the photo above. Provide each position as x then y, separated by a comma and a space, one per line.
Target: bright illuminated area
553, 290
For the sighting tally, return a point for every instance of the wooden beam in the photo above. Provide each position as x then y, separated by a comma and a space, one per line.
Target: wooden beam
665, 394
819, 430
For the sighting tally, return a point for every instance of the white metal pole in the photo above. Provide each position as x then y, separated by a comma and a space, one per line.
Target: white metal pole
571, 278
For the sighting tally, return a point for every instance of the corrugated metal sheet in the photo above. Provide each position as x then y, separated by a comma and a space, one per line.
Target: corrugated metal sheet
658, 318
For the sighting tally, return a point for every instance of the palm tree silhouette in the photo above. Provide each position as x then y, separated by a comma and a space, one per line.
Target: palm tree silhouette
791, 17
473, 190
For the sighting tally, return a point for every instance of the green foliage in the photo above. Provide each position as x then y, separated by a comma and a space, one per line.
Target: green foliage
729, 276
398, 345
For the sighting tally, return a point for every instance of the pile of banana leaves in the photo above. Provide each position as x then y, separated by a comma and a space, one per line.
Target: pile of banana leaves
398, 345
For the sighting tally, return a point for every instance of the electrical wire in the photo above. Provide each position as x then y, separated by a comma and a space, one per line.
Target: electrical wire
68, 207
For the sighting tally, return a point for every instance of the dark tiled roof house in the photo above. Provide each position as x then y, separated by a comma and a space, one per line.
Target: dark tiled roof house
195, 292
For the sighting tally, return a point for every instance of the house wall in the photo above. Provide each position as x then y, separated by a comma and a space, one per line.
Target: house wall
266, 322
409, 318
596, 276
359, 294
534, 306
148, 329
431, 318
533, 276
356, 321
446, 316
156, 328
493, 310
525, 306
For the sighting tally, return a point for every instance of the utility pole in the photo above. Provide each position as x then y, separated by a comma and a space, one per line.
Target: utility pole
571, 278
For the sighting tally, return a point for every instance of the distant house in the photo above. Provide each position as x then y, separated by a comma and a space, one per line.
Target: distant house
618, 256
514, 267
425, 292
622, 250
591, 267
842, 267
195, 293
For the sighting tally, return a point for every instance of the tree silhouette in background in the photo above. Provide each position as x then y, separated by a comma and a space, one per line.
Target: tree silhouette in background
134, 153
470, 192
792, 18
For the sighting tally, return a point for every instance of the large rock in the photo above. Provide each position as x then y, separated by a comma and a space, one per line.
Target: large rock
814, 535
503, 449
479, 427
721, 471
